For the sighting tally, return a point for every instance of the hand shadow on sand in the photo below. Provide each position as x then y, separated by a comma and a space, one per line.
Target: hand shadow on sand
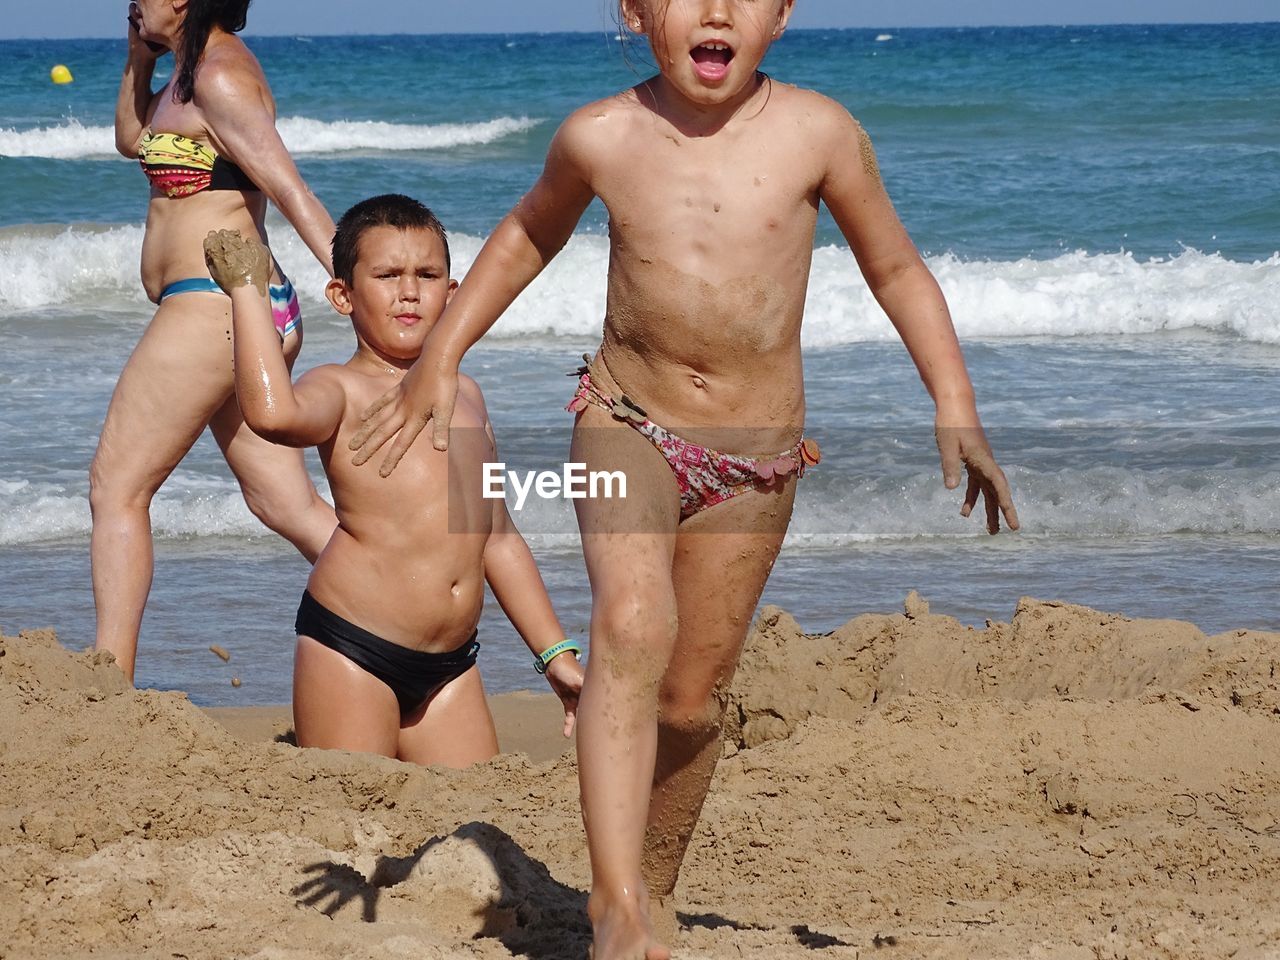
527, 910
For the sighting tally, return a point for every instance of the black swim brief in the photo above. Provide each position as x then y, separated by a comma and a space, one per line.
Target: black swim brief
412, 675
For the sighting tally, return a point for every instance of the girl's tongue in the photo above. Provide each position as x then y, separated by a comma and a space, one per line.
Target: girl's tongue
711, 64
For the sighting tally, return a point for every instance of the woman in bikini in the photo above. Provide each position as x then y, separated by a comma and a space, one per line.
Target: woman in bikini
208, 144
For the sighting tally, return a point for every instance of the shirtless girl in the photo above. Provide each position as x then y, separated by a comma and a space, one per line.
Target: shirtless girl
386, 654
712, 174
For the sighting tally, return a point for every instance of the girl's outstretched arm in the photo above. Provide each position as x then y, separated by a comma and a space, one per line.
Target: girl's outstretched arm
523, 243
913, 301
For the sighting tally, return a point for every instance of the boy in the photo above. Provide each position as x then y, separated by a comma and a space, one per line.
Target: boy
386, 652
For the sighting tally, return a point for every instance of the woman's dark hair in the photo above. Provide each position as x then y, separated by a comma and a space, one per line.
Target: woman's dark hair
202, 17
388, 210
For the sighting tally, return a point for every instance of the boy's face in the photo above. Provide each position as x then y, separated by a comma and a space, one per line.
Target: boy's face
709, 49
400, 286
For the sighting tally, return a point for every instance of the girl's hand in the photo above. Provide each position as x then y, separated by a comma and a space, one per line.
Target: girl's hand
565, 675
968, 446
423, 395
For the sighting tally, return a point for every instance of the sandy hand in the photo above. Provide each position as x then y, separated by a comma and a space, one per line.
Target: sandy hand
235, 261
968, 446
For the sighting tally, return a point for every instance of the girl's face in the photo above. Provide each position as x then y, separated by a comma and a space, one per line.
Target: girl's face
709, 50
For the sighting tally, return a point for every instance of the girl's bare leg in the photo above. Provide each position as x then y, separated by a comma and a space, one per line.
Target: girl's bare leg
177, 377
340, 706
628, 550
723, 558
453, 729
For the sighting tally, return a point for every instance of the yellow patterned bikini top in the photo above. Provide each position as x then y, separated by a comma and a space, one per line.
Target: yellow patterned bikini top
181, 167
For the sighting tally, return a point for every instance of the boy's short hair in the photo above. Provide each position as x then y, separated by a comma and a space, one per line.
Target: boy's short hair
388, 210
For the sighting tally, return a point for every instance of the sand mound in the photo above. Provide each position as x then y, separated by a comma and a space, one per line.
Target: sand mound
1072, 784
1049, 651
132, 824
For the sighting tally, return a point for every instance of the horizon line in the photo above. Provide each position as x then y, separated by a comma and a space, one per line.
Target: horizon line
607, 30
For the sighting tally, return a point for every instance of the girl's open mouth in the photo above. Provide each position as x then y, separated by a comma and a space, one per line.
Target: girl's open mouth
711, 60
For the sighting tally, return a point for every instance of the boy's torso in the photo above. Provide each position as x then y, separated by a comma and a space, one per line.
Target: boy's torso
406, 561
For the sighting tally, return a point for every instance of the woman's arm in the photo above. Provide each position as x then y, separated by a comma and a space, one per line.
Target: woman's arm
524, 242
241, 122
134, 101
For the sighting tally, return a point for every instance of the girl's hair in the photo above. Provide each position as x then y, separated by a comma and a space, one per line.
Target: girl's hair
202, 16
627, 40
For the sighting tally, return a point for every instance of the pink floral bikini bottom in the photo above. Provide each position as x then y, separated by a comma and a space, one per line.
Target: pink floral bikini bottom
705, 476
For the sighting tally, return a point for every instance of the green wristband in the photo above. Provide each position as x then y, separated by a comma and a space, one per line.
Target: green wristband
543, 660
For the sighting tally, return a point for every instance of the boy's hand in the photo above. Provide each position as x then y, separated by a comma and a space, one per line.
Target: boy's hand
968, 446
565, 675
234, 261
405, 410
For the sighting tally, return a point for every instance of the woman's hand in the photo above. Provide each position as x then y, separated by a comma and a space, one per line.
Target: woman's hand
565, 674
968, 447
141, 51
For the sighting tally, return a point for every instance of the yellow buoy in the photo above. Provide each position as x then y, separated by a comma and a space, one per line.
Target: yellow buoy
60, 75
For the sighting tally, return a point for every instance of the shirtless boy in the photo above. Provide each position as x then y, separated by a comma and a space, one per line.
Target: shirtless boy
386, 651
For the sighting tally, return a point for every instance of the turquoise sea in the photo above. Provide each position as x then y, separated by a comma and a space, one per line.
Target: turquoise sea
1099, 204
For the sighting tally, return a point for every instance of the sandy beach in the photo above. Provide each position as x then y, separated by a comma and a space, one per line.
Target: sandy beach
1071, 784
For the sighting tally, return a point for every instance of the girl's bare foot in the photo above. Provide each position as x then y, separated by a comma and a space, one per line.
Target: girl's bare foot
621, 929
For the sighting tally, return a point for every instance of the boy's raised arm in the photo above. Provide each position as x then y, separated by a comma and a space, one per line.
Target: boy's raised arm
272, 406
902, 284
523, 243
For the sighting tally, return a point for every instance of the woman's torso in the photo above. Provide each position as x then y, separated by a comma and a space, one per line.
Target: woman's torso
172, 248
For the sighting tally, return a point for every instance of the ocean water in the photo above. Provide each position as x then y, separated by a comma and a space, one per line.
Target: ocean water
1099, 205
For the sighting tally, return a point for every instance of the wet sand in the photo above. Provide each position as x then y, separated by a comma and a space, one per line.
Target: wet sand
1071, 784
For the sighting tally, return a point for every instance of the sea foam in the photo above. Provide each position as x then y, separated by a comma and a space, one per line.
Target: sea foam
72, 140
834, 508
1076, 294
